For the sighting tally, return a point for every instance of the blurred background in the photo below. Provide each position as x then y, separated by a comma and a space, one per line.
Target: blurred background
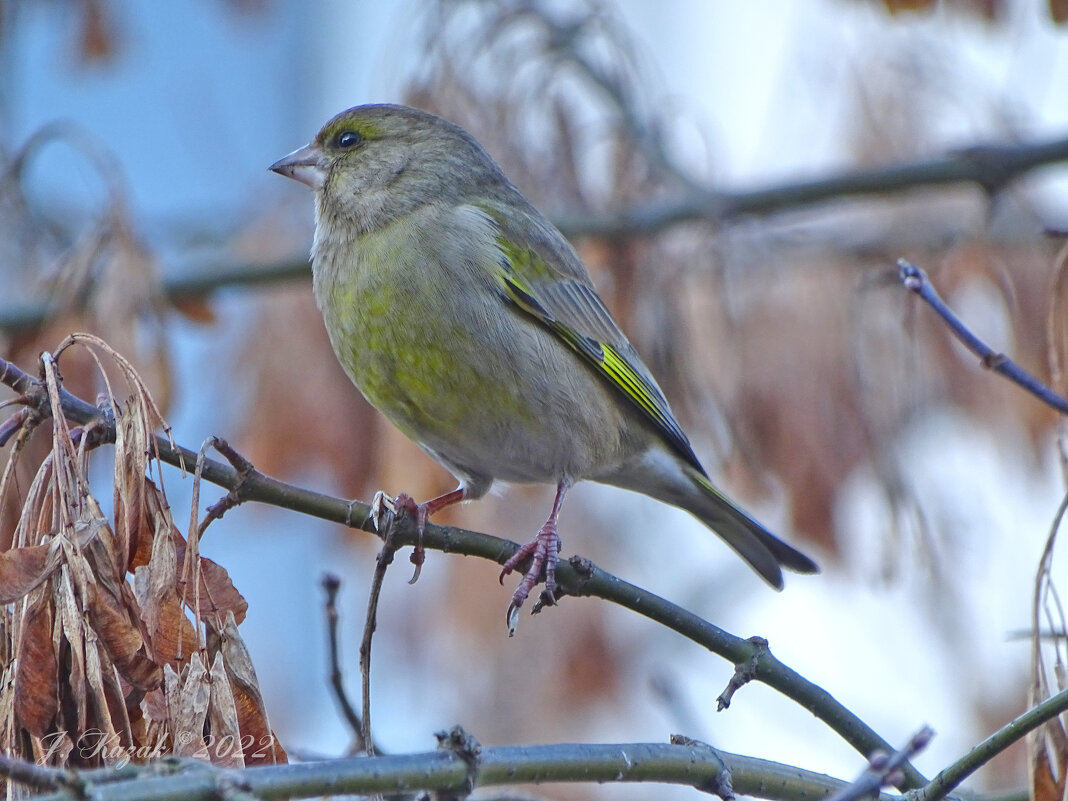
135, 203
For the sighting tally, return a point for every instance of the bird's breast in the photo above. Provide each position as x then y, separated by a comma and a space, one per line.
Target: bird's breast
458, 370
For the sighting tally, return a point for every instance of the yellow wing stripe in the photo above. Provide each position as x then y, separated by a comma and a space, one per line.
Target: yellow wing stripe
611, 365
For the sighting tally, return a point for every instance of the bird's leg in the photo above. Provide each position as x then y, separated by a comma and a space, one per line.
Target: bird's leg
544, 549
421, 512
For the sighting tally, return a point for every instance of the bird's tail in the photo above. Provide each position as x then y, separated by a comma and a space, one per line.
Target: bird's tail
765, 552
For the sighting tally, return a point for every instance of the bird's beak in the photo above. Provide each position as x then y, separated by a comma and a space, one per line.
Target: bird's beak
302, 165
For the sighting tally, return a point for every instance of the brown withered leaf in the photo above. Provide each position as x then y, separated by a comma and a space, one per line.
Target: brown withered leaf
264, 747
119, 697
1045, 786
36, 687
155, 704
217, 592
70, 619
96, 38
114, 623
225, 746
218, 595
132, 437
102, 728
106, 557
195, 309
22, 569
187, 707
1058, 11
171, 636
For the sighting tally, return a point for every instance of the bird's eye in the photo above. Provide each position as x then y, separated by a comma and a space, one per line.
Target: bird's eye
347, 139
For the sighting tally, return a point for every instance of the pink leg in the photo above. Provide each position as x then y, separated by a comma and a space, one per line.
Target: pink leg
544, 549
421, 512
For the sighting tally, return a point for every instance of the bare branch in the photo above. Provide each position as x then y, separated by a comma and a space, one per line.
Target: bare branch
950, 778
883, 769
915, 280
693, 764
989, 166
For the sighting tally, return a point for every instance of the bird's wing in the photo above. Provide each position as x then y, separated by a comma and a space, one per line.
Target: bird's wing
544, 278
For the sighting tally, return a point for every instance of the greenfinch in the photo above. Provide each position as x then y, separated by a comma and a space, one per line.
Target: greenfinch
465, 317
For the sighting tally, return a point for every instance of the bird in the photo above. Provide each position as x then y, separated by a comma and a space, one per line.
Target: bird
466, 318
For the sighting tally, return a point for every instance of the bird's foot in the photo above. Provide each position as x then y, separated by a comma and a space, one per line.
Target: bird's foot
384, 511
542, 551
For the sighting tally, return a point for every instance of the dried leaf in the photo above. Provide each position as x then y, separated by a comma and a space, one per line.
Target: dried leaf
195, 309
114, 623
187, 707
1058, 11
225, 744
97, 39
218, 595
132, 436
104, 734
70, 618
22, 569
170, 634
1045, 786
264, 748
36, 687
97, 541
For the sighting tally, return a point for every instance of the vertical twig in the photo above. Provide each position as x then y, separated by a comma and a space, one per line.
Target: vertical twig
382, 562
331, 584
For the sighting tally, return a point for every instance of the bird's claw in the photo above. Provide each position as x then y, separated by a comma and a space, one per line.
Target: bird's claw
383, 515
543, 551
405, 502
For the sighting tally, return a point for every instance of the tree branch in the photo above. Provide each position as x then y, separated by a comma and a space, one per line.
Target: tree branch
915, 280
577, 576
949, 778
695, 765
989, 166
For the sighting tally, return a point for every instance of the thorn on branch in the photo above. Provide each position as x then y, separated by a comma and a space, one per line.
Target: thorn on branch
744, 672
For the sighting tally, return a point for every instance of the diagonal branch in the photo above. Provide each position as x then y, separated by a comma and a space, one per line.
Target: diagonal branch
915, 280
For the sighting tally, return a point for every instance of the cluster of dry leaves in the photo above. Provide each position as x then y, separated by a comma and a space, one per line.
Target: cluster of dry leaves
118, 641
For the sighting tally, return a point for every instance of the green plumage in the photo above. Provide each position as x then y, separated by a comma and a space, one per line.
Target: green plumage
464, 316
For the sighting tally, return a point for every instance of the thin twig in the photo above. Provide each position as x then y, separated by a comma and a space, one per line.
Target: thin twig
884, 769
382, 563
331, 585
916, 281
951, 777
